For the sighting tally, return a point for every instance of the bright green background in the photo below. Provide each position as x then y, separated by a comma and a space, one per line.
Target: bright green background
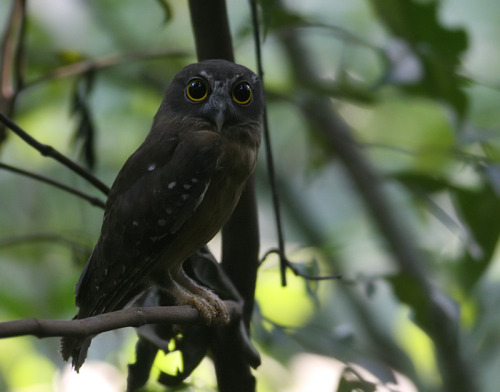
440, 162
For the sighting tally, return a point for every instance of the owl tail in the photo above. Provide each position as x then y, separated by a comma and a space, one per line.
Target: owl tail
75, 347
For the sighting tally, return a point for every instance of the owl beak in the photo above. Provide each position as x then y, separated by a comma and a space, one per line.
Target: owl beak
218, 112
219, 119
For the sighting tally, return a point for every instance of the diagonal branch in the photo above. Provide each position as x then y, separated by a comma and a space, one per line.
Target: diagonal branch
95, 201
112, 60
11, 59
11, 50
45, 237
49, 151
132, 317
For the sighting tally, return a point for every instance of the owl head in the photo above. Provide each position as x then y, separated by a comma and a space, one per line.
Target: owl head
218, 93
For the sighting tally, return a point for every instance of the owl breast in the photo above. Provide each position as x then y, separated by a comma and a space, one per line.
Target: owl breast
221, 197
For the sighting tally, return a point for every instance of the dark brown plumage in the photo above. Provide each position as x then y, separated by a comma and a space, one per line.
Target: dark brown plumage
174, 194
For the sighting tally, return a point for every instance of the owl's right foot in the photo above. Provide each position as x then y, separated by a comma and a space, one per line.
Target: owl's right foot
186, 291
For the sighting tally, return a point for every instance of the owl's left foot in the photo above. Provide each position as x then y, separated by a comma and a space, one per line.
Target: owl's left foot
187, 292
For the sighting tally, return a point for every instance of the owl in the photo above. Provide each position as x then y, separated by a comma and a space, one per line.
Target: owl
174, 194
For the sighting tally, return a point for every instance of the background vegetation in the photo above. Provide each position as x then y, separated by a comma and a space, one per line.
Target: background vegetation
408, 214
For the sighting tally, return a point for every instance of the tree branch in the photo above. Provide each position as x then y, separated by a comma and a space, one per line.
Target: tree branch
240, 235
288, 264
84, 66
132, 317
211, 30
49, 151
11, 49
11, 60
75, 246
95, 201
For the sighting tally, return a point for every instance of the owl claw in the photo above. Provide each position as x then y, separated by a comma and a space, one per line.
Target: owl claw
212, 309
219, 310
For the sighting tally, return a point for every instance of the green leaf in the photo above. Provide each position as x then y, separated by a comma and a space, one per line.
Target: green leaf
275, 16
421, 182
437, 47
70, 56
352, 381
138, 372
407, 289
167, 10
480, 212
492, 172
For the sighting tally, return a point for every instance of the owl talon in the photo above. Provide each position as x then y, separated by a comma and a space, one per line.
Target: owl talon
206, 311
219, 310
186, 291
212, 310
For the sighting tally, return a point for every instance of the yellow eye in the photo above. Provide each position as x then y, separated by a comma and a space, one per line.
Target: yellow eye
196, 90
242, 93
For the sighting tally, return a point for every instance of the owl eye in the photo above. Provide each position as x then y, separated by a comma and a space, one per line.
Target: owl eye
196, 90
242, 93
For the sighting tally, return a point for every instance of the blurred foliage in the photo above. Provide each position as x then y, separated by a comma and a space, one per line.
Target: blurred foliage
416, 81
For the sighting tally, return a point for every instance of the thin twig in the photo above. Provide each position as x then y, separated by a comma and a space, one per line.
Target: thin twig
95, 201
132, 317
269, 151
44, 237
295, 270
49, 151
84, 66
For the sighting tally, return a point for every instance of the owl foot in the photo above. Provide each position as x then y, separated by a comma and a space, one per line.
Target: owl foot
212, 309
187, 292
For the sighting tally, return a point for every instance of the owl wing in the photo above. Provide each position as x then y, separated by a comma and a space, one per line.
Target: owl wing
153, 196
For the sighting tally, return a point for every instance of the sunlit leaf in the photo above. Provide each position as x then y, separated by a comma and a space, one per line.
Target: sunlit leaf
70, 56
138, 372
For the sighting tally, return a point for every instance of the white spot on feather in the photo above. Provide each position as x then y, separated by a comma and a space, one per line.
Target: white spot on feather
172, 185
152, 166
187, 186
